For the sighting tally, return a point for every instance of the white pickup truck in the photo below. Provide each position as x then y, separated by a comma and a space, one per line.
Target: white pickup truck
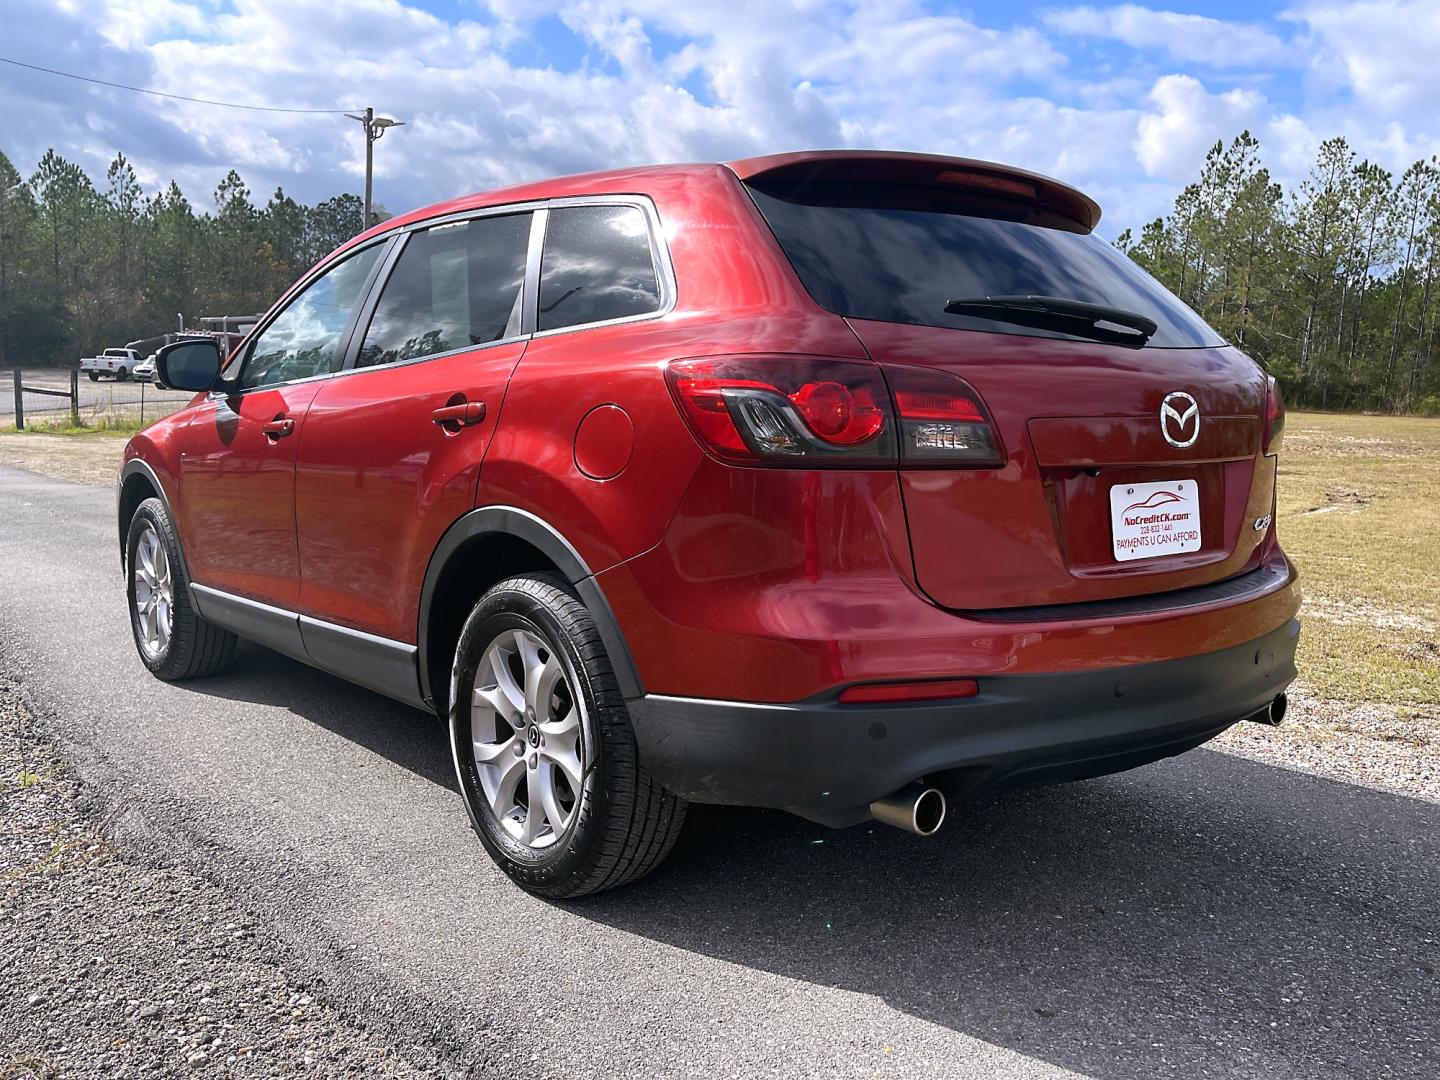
118, 363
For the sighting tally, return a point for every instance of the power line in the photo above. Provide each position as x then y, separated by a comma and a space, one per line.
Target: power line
159, 93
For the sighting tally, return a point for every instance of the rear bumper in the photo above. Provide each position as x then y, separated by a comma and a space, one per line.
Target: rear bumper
830, 760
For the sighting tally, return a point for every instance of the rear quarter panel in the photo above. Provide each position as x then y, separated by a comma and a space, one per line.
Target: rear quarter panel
734, 294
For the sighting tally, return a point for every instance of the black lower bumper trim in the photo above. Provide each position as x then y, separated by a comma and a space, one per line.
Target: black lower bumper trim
828, 760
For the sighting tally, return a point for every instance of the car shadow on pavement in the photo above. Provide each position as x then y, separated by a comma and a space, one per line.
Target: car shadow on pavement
410, 738
1206, 915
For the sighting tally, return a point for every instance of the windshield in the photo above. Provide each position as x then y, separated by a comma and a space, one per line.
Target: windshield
900, 254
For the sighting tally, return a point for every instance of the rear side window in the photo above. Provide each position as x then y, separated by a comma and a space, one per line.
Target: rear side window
597, 266
899, 254
455, 286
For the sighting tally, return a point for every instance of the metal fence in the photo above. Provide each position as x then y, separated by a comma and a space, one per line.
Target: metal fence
41, 399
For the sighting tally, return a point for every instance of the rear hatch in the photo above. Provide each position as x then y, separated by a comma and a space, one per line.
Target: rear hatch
1092, 501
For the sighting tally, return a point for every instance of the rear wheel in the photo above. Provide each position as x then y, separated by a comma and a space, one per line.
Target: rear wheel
173, 640
543, 747
94, 376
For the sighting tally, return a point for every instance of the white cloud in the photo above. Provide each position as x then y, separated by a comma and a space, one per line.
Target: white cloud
1195, 38
1384, 51
1172, 139
655, 80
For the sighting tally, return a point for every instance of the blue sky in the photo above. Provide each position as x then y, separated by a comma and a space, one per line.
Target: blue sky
1121, 99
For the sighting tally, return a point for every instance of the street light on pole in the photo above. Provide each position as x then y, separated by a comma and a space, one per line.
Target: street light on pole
375, 127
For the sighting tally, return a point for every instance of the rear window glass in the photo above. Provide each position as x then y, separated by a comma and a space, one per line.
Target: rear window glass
597, 266
897, 254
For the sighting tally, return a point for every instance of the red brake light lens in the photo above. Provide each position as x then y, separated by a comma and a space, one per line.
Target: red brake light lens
942, 420
839, 414
1274, 416
786, 410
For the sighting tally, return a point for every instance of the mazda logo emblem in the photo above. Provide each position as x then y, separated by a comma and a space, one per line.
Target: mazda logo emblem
1179, 413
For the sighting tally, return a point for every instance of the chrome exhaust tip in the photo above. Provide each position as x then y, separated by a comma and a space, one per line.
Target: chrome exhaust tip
1277, 709
1271, 714
916, 809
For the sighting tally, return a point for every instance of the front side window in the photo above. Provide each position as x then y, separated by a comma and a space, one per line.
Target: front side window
597, 266
303, 339
455, 286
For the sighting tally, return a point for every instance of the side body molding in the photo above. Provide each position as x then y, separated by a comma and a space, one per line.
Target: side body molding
498, 521
376, 663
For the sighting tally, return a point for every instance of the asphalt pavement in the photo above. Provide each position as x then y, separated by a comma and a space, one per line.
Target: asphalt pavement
1205, 916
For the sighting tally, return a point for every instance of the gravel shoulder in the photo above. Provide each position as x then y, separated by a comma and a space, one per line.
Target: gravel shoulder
112, 967
1389, 747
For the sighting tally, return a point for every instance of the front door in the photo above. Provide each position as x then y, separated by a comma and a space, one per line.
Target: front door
237, 464
393, 447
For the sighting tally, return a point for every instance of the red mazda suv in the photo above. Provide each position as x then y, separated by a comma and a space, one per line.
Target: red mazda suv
835, 482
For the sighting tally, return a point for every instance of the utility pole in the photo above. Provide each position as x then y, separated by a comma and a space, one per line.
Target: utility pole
375, 127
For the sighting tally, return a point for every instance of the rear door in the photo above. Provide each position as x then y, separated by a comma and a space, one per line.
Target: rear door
1094, 471
393, 445
237, 467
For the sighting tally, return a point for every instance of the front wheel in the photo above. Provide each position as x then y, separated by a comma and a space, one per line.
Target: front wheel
122, 374
543, 747
173, 639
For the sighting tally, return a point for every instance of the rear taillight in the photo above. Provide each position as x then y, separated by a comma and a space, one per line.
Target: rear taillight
787, 410
798, 410
1274, 416
943, 422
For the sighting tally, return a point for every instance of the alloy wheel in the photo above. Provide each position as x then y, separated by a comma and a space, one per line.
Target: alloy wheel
525, 725
154, 594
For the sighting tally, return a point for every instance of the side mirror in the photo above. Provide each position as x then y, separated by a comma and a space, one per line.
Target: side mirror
189, 365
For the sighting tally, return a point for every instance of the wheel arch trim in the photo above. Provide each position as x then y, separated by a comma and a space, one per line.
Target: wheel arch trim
140, 467
511, 521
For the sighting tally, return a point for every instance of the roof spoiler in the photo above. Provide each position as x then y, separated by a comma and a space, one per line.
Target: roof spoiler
926, 170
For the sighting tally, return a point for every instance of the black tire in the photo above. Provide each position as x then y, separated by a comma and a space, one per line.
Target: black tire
94, 376
122, 375
623, 823
195, 648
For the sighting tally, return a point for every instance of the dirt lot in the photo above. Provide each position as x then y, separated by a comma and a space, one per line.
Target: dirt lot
1359, 512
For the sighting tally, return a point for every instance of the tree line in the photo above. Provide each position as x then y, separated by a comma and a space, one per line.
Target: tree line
1334, 287
87, 265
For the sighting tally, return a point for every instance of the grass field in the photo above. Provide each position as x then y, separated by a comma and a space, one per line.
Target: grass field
1360, 514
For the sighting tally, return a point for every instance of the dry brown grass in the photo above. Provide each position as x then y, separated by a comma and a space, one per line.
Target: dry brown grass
1360, 513
91, 458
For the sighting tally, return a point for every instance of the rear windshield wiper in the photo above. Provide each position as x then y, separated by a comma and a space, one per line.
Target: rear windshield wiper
1056, 313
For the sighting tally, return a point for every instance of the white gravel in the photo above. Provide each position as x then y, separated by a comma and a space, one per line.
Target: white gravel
1390, 747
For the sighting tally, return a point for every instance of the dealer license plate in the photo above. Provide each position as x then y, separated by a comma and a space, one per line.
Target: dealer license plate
1151, 520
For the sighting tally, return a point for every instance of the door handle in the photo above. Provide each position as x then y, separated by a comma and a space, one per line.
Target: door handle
279, 427
454, 417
